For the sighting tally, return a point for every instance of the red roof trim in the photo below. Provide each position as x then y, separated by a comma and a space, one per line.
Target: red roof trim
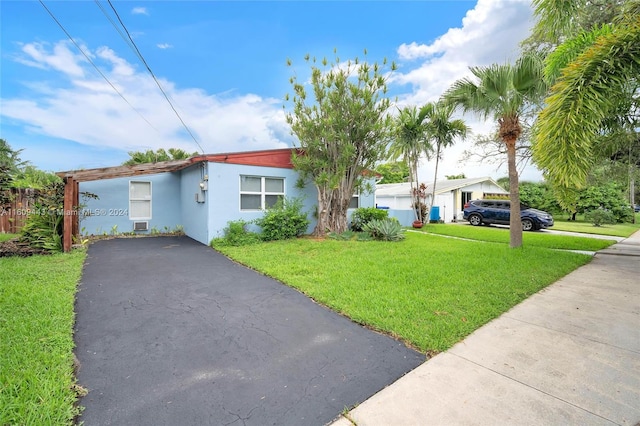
280, 158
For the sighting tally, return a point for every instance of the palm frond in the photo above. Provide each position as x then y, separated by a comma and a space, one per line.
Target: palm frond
556, 18
585, 96
569, 51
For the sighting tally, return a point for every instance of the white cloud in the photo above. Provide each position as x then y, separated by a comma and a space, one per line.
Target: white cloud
140, 11
62, 59
490, 33
164, 46
84, 108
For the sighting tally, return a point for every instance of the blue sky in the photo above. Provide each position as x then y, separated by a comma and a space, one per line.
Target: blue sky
223, 64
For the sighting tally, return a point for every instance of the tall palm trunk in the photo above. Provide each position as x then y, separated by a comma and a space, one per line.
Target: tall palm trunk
413, 188
435, 179
515, 223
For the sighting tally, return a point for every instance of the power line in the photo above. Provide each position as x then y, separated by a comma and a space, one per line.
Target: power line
94, 65
154, 77
114, 24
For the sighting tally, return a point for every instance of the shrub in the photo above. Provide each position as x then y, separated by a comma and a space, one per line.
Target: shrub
43, 228
364, 215
385, 230
600, 216
236, 234
283, 221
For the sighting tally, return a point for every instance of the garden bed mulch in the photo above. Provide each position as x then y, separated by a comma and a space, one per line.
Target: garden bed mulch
16, 248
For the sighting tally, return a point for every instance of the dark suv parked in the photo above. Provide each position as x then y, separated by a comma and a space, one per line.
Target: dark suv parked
479, 212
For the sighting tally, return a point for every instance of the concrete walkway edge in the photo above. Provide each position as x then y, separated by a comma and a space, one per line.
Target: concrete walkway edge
568, 355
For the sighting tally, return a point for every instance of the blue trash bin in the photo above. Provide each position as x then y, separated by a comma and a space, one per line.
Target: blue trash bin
435, 214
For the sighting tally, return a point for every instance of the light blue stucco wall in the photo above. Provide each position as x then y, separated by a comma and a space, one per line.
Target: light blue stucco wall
224, 194
194, 213
112, 208
405, 217
174, 200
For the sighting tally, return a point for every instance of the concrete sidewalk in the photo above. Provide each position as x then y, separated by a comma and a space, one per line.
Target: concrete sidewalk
568, 355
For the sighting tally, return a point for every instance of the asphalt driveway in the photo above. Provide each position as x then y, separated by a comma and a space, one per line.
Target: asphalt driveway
168, 332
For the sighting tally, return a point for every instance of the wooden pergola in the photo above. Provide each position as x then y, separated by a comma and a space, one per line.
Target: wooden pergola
73, 178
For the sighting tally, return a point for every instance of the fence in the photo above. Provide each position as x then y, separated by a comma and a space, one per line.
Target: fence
13, 214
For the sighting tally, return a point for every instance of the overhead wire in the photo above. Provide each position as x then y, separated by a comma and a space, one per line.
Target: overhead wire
114, 24
88, 58
153, 75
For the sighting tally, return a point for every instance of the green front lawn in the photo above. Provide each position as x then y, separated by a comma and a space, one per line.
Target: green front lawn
529, 239
7, 237
36, 339
618, 230
427, 290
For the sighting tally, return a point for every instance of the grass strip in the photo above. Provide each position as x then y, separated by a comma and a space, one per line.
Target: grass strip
618, 230
7, 237
36, 339
429, 291
529, 239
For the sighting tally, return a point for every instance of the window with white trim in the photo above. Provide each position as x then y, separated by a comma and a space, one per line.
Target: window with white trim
355, 201
260, 192
139, 200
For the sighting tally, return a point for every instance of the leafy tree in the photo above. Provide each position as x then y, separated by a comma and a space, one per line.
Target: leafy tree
410, 143
503, 93
609, 196
32, 177
453, 177
442, 131
393, 172
10, 165
150, 156
342, 126
539, 195
593, 105
504, 182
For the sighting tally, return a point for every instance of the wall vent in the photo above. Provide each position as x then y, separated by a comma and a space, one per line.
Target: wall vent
140, 226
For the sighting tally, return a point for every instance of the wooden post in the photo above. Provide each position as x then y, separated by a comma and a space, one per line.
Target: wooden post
67, 222
76, 203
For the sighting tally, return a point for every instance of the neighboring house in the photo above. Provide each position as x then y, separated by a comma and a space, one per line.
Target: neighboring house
451, 195
199, 195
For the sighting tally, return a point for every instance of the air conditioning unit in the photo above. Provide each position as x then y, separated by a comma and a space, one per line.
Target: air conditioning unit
140, 226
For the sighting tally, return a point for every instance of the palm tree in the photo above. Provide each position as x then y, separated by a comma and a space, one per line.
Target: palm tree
443, 131
502, 92
594, 97
410, 143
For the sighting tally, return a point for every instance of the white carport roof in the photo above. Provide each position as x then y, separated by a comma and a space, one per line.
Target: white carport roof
442, 186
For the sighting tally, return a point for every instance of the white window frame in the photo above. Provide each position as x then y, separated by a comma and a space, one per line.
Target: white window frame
263, 192
357, 197
148, 198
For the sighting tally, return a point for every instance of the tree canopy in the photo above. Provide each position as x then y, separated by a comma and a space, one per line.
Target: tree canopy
393, 172
341, 123
151, 156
